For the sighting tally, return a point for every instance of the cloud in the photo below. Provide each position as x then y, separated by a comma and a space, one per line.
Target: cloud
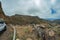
0, 0
40, 8
53, 1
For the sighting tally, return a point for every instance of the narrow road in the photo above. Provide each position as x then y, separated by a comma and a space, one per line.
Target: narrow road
5, 35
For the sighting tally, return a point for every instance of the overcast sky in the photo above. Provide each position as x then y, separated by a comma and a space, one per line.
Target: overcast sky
40, 8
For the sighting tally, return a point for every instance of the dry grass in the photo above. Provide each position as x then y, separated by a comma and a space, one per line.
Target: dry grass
25, 33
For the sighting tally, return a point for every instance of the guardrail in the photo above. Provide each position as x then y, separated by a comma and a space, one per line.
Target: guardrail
14, 35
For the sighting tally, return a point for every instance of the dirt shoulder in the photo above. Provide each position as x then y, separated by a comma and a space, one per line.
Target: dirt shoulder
6, 34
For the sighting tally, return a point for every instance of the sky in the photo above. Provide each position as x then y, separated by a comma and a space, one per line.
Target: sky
47, 9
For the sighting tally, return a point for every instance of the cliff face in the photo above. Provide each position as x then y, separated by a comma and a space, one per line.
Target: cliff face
2, 15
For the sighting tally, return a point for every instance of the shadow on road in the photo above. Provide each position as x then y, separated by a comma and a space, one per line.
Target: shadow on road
1, 32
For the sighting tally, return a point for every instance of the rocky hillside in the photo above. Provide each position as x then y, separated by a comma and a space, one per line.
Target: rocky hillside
24, 19
2, 15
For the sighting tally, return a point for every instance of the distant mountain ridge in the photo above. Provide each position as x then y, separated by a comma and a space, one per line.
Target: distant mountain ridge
57, 21
24, 19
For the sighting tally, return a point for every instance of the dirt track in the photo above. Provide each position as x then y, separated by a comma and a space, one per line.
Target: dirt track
6, 34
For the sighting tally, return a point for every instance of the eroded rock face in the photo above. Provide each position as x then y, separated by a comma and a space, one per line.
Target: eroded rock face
2, 15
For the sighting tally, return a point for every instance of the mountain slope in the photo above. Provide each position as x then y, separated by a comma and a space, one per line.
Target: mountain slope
24, 19
57, 21
2, 15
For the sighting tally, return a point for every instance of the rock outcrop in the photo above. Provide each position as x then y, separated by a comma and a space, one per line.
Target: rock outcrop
2, 15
